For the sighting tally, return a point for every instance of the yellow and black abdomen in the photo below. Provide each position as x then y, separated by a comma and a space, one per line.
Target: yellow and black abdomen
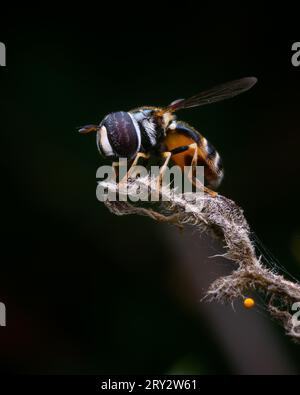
183, 135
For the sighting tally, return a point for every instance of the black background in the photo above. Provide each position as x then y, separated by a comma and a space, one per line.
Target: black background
88, 292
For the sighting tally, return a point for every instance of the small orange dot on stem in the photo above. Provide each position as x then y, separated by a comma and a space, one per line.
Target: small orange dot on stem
249, 303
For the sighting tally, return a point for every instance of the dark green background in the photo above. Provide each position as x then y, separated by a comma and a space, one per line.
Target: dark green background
88, 292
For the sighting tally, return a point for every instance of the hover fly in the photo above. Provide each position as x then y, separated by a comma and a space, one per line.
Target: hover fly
145, 131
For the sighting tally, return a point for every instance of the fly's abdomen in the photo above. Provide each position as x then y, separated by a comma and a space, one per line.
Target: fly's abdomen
184, 135
210, 157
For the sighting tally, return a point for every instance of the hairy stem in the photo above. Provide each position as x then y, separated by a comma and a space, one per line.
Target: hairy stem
223, 219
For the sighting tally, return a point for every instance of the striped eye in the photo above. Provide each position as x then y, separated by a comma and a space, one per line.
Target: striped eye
120, 135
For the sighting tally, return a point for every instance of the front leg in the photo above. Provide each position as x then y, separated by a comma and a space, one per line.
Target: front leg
131, 169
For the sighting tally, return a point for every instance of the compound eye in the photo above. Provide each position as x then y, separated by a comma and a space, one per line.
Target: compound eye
123, 134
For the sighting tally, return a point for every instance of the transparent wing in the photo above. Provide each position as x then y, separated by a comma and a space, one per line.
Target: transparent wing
214, 95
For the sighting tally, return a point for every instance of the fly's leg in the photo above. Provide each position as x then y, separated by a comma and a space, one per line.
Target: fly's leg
198, 184
115, 166
167, 156
131, 169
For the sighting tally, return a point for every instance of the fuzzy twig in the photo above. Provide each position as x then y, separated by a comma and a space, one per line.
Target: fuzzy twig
222, 218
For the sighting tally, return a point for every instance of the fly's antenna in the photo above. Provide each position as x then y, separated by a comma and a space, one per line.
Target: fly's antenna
88, 129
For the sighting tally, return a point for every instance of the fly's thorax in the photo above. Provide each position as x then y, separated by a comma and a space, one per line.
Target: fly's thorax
153, 127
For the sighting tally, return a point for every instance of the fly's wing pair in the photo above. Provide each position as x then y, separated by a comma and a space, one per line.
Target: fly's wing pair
213, 95
209, 156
